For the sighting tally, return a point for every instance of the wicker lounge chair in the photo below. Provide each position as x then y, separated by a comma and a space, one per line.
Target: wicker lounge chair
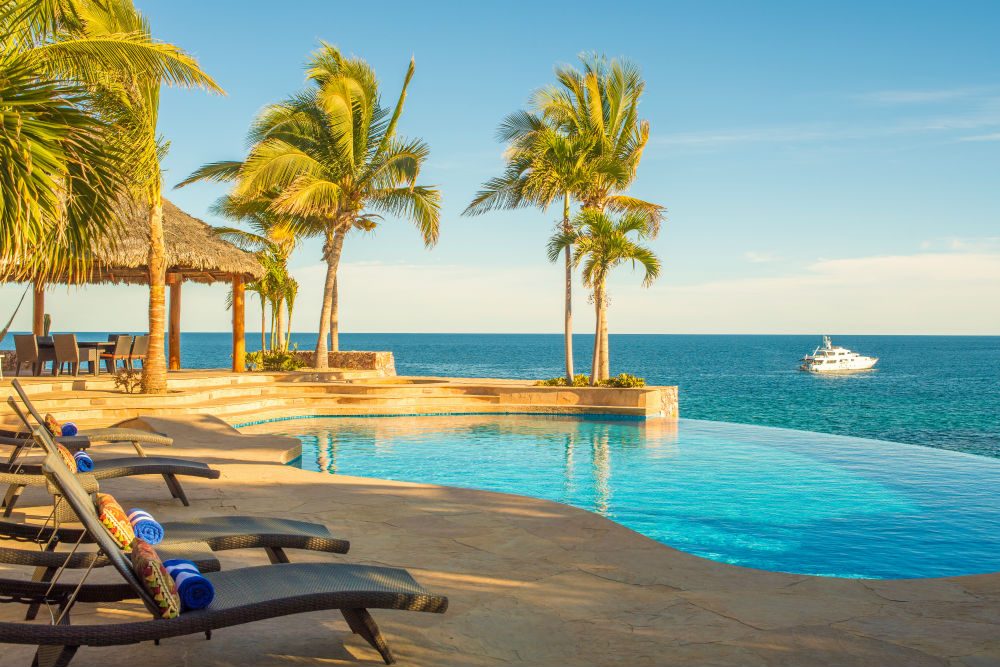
193, 540
87, 437
241, 596
19, 476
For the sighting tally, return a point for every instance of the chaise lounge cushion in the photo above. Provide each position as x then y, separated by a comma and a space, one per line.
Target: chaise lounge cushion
155, 579
67, 457
115, 521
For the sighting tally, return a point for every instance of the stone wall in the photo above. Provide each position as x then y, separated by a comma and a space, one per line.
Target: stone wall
9, 361
381, 362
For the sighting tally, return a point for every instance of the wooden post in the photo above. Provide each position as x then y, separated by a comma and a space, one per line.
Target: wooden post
174, 323
239, 326
38, 312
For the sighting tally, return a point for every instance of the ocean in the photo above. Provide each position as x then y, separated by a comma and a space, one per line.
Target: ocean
938, 391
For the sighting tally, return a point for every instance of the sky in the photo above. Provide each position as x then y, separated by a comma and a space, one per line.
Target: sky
826, 167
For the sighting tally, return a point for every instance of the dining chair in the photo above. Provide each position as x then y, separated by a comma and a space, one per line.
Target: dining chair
26, 348
120, 352
140, 346
68, 352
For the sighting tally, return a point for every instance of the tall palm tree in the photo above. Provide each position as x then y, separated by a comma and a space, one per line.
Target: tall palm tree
65, 168
600, 104
272, 238
106, 46
581, 141
544, 165
331, 158
602, 244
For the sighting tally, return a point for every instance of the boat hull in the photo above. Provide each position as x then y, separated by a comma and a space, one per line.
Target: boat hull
855, 365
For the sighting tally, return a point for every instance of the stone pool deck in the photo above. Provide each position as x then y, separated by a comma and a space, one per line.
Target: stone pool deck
531, 583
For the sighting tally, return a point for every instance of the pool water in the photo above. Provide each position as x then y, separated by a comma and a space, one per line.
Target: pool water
774, 499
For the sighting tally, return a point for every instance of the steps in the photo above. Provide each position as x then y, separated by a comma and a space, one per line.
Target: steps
252, 397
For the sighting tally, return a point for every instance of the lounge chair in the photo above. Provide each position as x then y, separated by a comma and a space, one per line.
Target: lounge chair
19, 476
192, 540
85, 438
241, 596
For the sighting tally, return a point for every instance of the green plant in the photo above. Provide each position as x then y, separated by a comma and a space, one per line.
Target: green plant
330, 157
624, 381
579, 380
274, 360
47, 324
129, 380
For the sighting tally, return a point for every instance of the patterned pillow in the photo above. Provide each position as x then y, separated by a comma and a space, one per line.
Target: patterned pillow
67, 457
51, 423
115, 521
155, 579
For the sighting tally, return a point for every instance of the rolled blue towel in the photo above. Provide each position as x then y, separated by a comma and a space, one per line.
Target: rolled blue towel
145, 526
195, 591
83, 462
69, 429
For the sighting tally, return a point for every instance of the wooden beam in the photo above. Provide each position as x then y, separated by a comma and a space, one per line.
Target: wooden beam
239, 326
38, 310
174, 323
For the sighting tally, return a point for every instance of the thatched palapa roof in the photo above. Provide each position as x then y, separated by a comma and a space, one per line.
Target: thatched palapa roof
193, 251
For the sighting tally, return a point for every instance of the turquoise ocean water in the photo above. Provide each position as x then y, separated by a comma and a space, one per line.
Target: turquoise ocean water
940, 391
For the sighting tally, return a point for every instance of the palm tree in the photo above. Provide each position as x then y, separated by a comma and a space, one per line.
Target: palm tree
600, 104
543, 165
582, 140
64, 167
272, 239
106, 47
603, 243
330, 157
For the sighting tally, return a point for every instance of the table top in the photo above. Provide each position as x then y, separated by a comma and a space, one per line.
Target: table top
82, 343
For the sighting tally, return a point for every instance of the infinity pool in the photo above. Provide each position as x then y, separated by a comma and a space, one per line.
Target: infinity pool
773, 499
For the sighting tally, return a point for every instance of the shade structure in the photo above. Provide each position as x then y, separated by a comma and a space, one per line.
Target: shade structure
193, 252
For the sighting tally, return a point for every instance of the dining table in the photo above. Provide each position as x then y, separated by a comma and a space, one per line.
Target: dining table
50, 348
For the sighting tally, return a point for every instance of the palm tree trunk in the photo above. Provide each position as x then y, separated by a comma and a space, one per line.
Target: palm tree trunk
568, 323
331, 252
335, 320
154, 375
288, 334
280, 327
605, 349
595, 364
338, 246
322, 348
263, 323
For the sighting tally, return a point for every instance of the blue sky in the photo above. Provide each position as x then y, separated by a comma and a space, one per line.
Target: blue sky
826, 167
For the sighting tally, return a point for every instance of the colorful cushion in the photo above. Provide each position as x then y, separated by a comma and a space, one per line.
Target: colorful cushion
51, 423
115, 521
67, 457
155, 579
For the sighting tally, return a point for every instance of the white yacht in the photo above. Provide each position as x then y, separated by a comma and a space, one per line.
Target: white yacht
830, 359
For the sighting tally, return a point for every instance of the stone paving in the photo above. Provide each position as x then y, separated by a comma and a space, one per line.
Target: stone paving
532, 583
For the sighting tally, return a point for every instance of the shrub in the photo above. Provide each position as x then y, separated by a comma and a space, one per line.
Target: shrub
128, 380
274, 360
579, 380
624, 381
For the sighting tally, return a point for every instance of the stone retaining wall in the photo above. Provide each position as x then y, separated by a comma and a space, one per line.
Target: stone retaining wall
9, 361
381, 362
